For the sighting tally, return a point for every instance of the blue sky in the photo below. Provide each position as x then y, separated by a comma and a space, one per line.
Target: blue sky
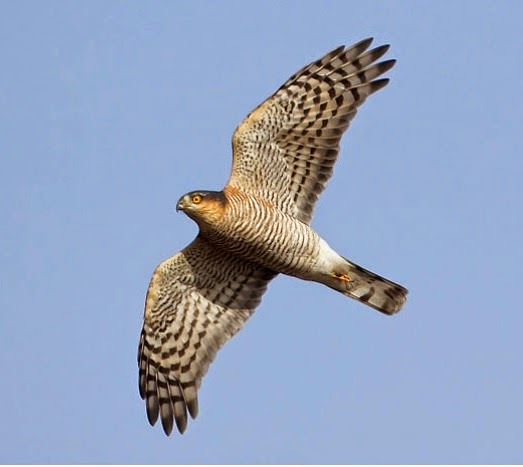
109, 111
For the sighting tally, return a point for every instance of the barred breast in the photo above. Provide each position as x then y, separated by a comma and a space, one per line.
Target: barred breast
254, 229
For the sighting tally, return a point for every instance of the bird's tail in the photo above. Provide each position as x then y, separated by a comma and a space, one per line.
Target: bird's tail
366, 287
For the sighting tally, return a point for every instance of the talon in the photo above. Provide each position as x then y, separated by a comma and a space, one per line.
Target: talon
342, 276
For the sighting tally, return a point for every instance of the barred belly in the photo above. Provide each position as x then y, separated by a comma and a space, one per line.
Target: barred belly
255, 230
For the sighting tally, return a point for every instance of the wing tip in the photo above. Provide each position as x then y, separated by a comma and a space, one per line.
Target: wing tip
378, 84
364, 43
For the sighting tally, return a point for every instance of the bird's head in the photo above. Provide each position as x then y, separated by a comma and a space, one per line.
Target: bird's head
206, 206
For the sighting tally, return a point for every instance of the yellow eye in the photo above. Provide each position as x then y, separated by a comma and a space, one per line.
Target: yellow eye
196, 199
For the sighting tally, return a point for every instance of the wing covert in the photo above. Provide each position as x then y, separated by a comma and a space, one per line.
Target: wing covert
286, 148
196, 301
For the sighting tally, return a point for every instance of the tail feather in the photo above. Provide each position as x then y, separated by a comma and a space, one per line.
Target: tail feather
369, 288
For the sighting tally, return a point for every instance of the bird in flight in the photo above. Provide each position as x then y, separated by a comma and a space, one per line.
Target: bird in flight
257, 227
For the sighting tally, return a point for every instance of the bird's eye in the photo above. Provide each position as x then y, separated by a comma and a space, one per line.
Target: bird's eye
196, 199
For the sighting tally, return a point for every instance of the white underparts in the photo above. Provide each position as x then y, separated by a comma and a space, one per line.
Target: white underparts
328, 260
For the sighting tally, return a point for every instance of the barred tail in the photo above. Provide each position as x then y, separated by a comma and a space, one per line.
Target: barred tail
368, 288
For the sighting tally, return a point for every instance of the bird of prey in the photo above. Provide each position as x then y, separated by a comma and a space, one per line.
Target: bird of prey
257, 227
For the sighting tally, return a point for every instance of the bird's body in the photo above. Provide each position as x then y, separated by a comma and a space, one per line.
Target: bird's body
253, 229
248, 221
258, 227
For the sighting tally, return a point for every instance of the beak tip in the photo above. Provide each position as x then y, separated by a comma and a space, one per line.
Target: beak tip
181, 204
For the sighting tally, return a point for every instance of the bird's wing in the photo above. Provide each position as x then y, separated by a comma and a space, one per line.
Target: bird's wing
196, 301
285, 149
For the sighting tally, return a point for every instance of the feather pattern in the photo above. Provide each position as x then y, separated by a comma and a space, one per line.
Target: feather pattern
197, 300
285, 149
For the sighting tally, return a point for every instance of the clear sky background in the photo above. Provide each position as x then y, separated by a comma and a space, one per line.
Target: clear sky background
109, 111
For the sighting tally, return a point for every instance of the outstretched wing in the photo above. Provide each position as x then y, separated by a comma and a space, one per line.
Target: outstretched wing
285, 150
197, 300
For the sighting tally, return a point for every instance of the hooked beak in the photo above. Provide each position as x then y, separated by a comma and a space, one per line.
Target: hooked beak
181, 204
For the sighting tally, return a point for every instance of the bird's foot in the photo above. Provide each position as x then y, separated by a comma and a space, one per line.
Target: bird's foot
342, 276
